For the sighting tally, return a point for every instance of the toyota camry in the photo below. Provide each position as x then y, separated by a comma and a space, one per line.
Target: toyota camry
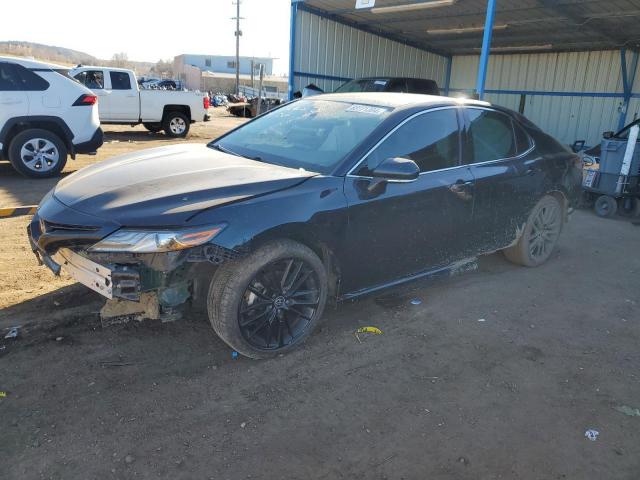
324, 199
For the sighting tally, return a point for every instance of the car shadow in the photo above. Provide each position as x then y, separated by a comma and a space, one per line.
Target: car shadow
51, 309
137, 136
22, 191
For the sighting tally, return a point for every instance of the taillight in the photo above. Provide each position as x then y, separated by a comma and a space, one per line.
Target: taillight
205, 102
85, 100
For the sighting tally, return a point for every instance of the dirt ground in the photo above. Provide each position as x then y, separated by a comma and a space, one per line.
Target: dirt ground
496, 374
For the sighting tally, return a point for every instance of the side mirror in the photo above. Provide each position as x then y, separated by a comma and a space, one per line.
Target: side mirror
396, 169
608, 135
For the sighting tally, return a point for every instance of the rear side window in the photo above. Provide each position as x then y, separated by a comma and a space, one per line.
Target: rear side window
16, 77
9, 80
92, 79
431, 140
523, 141
120, 81
490, 136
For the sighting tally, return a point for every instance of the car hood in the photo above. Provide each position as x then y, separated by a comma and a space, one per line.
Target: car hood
167, 186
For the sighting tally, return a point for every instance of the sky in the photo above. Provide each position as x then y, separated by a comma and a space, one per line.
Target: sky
152, 30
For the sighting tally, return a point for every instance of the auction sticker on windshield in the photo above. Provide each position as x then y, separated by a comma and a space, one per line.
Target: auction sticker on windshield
367, 109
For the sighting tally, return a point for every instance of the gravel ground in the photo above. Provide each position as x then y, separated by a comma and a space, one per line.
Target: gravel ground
496, 374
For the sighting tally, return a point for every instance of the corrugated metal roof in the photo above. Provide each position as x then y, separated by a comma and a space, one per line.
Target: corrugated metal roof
530, 25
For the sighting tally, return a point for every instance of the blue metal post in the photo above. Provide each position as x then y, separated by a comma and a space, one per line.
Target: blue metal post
486, 47
447, 78
628, 78
292, 46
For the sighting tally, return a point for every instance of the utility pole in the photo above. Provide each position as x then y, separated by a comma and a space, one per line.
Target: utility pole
238, 34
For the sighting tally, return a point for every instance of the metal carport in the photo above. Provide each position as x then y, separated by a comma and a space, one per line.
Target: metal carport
570, 66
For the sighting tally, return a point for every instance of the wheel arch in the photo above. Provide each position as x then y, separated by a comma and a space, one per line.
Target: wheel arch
560, 194
55, 125
168, 109
313, 239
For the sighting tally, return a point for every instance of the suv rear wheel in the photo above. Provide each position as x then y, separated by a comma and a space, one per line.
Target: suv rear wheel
38, 153
175, 124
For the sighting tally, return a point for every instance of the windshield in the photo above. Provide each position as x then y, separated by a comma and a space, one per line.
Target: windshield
364, 85
313, 134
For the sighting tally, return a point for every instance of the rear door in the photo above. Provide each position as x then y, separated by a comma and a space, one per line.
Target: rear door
13, 99
124, 97
410, 227
502, 166
94, 80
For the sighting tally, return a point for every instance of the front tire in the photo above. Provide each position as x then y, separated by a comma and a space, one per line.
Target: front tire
270, 301
152, 127
175, 124
540, 235
38, 153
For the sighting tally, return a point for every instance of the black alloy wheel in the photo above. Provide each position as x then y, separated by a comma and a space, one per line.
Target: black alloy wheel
279, 304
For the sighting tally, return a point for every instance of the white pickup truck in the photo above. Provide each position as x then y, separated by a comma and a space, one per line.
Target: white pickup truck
121, 101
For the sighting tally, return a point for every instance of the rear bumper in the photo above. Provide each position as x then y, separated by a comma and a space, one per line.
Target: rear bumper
91, 145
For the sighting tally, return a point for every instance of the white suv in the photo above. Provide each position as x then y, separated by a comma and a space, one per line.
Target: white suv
44, 116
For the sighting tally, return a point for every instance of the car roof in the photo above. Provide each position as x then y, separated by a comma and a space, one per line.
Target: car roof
31, 63
397, 100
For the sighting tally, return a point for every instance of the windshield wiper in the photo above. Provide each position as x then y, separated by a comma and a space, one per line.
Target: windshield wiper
220, 148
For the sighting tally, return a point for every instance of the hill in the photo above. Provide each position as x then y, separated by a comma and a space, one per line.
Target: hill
67, 56
46, 52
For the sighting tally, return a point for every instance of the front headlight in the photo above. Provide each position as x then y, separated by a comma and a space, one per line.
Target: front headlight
154, 241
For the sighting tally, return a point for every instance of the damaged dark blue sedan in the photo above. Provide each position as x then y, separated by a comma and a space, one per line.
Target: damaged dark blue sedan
323, 199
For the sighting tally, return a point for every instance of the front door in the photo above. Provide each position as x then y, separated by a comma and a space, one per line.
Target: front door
94, 81
124, 100
406, 228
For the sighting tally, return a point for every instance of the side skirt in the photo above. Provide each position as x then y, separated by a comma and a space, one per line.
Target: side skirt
456, 268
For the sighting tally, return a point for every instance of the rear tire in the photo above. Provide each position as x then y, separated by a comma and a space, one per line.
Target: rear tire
605, 206
540, 235
38, 153
175, 124
153, 127
268, 302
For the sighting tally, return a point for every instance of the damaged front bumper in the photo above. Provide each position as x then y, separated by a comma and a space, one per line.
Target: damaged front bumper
169, 276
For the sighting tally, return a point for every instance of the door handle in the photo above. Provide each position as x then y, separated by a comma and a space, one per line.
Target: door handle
10, 102
462, 182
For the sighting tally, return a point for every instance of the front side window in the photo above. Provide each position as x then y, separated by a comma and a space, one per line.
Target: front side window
432, 140
92, 79
490, 136
312, 134
120, 81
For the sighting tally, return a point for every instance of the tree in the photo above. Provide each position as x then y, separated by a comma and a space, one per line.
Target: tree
120, 60
163, 68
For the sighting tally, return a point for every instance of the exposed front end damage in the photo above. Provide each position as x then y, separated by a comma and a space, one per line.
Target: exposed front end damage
148, 285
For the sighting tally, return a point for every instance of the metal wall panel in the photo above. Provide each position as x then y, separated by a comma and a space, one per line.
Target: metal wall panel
328, 48
568, 118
